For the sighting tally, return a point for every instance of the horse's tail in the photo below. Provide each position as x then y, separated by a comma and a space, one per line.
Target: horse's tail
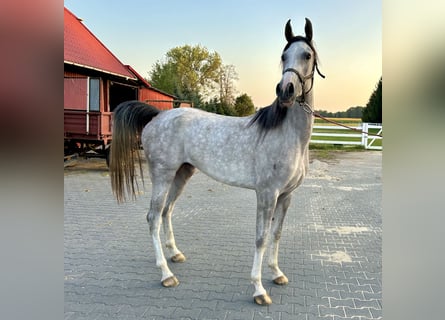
129, 118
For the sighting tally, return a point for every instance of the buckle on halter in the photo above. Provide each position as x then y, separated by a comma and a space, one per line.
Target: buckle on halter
306, 107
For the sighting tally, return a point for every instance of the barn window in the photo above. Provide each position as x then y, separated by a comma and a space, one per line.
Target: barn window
94, 101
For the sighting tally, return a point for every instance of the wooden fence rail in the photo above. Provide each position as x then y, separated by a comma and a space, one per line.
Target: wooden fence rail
333, 134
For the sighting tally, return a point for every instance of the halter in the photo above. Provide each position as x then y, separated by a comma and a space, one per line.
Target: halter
303, 79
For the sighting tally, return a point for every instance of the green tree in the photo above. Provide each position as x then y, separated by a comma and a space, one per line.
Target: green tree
188, 72
163, 76
215, 106
226, 83
354, 112
244, 105
225, 109
373, 109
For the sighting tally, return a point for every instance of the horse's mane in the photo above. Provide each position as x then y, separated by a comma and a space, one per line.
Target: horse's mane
270, 117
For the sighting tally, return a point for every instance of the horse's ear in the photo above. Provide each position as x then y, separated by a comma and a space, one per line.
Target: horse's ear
288, 31
308, 29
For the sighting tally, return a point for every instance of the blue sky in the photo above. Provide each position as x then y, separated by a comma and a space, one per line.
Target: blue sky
250, 35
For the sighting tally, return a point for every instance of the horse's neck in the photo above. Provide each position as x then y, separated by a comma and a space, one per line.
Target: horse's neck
301, 116
298, 127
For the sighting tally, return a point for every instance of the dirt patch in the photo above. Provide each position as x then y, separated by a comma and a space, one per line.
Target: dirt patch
328, 156
337, 256
84, 165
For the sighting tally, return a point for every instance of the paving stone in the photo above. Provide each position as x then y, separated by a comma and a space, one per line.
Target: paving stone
327, 311
367, 303
333, 303
353, 312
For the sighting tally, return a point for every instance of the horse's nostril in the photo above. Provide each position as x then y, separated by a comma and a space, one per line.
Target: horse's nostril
287, 93
278, 90
290, 89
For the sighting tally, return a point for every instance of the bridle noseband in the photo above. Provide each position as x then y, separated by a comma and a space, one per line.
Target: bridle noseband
302, 80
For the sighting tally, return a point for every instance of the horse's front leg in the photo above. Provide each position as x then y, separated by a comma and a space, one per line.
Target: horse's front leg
265, 208
283, 203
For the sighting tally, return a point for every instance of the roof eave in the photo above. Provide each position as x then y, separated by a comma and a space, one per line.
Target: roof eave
100, 70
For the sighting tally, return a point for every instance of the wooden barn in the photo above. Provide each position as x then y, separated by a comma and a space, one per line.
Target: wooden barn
95, 82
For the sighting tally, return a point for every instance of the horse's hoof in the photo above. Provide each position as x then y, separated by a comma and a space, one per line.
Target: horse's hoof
263, 300
178, 258
170, 282
281, 280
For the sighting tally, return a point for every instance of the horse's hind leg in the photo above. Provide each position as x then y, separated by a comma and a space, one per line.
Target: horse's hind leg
161, 181
182, 176
277, 225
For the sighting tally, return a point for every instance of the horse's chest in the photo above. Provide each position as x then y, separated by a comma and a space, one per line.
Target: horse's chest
285, 174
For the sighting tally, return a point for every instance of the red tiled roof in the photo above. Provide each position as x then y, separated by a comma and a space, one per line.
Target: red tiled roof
81, 47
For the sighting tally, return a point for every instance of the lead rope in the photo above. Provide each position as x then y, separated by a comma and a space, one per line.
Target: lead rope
307, 108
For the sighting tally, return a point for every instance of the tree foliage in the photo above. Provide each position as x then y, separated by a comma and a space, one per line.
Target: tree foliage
188, 72
353, 112
227, 89
216, 106
373, 109
244, 105
196, 74
164, 77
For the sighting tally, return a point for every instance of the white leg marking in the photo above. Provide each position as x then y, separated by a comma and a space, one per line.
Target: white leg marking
273, 259
156, 208
170, 243
161, 262
256, 272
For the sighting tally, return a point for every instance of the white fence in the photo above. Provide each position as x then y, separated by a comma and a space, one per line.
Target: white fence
350, 137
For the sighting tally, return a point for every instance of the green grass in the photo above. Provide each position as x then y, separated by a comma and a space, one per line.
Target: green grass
333, 147
329, 152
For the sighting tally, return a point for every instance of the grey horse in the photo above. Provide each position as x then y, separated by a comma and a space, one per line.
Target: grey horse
266, 152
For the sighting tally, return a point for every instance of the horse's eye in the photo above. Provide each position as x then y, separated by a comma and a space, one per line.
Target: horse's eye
307, 56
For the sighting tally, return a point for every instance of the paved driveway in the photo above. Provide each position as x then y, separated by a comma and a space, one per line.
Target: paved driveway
330, 248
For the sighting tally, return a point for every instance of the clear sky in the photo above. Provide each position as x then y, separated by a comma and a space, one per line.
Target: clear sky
250, 35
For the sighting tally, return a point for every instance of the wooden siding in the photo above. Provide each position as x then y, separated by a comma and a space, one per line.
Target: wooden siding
150, 95
87, 125
70, 74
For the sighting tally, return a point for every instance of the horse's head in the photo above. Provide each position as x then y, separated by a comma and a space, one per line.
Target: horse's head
299, 60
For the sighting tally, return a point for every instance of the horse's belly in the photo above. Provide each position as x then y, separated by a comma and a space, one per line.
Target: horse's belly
233, 172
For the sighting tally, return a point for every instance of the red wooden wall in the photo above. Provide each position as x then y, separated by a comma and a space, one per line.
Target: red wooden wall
150, 94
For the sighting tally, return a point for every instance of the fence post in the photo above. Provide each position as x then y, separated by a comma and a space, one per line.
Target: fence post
365, 134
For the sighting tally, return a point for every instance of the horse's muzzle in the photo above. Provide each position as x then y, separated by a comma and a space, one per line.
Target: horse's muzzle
286, 97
